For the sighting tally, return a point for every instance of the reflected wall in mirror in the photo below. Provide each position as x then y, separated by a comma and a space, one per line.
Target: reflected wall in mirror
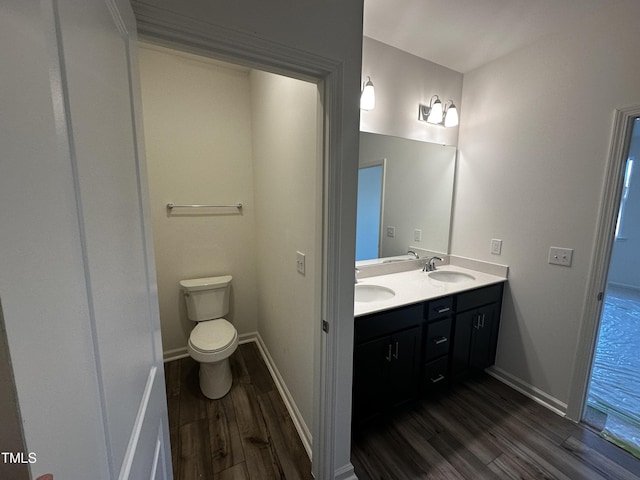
405, 193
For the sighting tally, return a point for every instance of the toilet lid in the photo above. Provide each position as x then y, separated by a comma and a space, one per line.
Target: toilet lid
212, 335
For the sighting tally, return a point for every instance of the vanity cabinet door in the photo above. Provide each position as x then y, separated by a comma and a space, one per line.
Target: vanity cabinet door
484, 337
405, 364
371, 363
385, 372
475, 335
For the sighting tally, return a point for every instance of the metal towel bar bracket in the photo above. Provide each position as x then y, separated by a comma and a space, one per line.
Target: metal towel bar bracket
171, 206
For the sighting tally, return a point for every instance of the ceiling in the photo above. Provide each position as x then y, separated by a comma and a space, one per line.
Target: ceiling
466, 34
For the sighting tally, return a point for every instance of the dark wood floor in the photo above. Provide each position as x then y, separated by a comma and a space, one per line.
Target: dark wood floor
483, 429
248, 434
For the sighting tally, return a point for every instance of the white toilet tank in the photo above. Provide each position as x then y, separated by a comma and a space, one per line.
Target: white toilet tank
207, 298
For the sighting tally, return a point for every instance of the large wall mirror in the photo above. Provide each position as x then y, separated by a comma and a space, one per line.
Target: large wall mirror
405, 193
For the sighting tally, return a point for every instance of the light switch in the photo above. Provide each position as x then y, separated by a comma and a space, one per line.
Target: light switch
560, 256
391, 232
300, 262
417, 235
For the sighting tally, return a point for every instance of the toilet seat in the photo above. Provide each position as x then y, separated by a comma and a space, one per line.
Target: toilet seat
212, 340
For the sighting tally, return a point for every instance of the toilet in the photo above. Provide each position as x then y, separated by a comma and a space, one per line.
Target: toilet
213, 339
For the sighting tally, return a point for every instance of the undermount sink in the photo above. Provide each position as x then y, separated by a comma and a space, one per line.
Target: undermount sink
448, 276
373, 293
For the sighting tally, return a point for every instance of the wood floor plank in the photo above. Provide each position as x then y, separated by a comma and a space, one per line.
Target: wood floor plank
287, 447
610, 451
597, 461
513, 467
237, 472
172, 378
462, 459
260, 376
255, 440
193, 404
195, 459
226, 444
464, 427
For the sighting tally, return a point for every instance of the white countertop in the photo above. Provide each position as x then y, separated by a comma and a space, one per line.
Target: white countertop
416, 286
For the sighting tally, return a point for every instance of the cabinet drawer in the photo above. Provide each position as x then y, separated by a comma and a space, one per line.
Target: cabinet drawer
438, 339
477, 298
379, 324
435, 374
439, 308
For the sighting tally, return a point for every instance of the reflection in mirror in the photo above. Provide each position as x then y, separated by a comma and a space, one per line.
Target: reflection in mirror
405, 192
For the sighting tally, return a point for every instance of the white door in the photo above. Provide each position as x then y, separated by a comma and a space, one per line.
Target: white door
77, 278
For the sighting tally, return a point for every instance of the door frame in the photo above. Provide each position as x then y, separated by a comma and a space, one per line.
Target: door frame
165, 28
601, 257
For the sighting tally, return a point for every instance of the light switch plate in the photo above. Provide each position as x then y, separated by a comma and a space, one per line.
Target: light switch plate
391, 232
417, 235
496, 246
300, 262
560, 256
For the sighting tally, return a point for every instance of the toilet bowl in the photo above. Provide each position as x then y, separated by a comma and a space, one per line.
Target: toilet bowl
213, 339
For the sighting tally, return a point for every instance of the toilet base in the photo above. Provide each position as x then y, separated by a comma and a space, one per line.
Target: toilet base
215, 379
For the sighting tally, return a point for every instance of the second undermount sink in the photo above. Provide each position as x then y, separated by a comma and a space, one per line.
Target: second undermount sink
372, 293
449, 276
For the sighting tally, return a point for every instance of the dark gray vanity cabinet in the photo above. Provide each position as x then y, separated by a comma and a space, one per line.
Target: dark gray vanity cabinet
386, 360
475, 338
420, 348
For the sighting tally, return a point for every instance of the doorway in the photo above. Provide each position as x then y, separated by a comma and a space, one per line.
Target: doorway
613, 395
217, 133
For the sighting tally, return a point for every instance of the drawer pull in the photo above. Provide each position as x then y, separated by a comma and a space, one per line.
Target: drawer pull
442, 309
440, 340
437, 379
388, 357
395, 355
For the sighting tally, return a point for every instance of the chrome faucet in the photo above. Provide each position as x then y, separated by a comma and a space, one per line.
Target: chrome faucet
411, 252
430, 264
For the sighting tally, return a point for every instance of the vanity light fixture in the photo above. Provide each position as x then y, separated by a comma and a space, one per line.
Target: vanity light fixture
368, 96
436, 114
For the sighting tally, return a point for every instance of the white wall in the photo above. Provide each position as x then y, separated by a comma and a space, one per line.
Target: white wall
197, 125
401, 82
534, 139
288, 192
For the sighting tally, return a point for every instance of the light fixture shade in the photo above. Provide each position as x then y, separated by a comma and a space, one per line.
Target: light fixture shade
435, 115
451, 116
368, 96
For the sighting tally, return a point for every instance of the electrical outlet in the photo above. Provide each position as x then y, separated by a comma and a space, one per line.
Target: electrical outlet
417, 235
496, 246
300, 262
391, 232
560, 256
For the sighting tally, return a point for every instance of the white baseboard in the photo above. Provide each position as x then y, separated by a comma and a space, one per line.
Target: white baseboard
290, 404
528, 390
345, 472
175, 354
